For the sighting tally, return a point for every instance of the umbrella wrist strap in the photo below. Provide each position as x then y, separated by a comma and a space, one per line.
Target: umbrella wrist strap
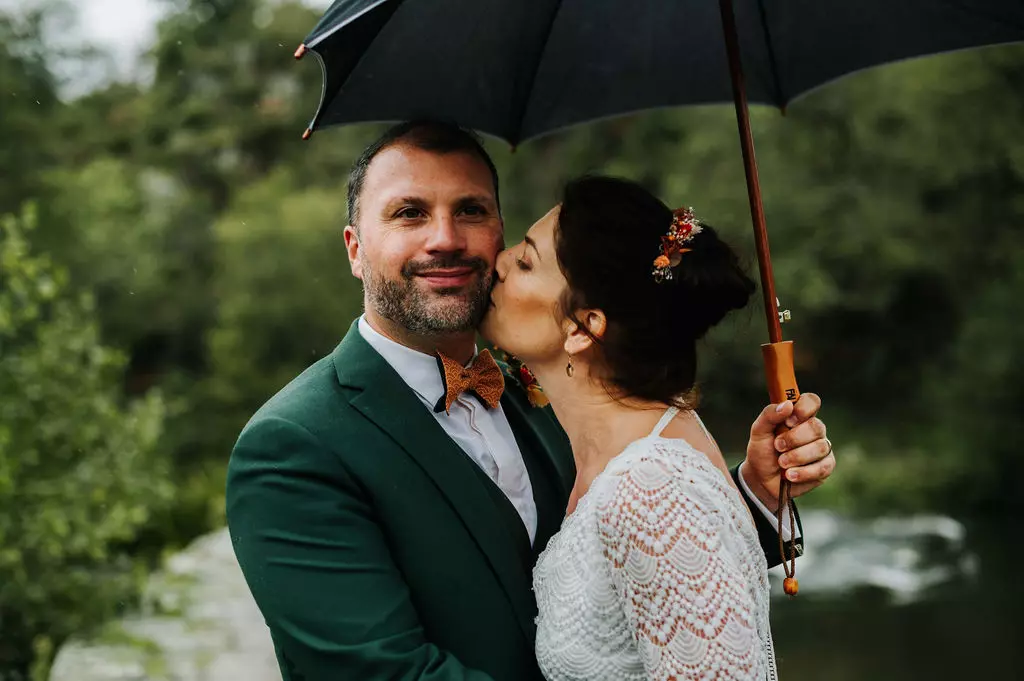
786, 501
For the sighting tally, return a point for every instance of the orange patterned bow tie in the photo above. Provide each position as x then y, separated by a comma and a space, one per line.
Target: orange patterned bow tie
482, 378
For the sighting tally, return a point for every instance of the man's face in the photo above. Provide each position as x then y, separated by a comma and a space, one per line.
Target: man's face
428, 235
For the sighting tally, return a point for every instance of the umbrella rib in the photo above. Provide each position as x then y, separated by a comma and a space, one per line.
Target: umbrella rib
776, 81
533, 77
323, 89
342, 24
313, 44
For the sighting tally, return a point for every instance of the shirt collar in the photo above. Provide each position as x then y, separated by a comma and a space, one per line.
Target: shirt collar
419, 370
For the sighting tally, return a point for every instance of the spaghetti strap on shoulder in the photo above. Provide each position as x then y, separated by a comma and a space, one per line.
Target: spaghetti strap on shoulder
700, 422
666, 419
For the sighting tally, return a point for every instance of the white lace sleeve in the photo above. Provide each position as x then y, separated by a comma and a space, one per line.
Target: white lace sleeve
679, 565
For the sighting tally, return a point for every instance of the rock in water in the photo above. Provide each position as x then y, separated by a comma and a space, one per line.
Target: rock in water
198, 623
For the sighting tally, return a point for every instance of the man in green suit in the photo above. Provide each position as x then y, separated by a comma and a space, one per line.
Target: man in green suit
389, 533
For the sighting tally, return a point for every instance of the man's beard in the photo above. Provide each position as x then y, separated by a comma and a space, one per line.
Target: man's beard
441, 311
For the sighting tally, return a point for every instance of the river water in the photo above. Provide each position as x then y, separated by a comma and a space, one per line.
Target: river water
904, 599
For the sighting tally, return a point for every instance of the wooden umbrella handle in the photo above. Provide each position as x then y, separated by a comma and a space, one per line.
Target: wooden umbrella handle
779, 372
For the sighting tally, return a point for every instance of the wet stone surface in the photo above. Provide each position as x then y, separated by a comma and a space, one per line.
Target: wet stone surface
198, 623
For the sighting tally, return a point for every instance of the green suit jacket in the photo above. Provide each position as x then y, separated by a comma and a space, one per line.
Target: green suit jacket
374, 547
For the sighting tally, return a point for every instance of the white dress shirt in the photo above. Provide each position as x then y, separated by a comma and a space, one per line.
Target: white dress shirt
485, 434
482, 433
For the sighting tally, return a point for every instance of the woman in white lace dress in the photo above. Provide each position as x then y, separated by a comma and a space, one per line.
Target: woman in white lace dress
657, 572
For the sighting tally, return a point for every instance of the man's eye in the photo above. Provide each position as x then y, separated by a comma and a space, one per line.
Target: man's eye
474, 211
409, 213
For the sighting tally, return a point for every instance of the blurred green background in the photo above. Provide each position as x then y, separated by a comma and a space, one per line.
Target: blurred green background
171, 254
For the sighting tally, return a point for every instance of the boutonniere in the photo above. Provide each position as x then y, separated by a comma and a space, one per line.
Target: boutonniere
521, 374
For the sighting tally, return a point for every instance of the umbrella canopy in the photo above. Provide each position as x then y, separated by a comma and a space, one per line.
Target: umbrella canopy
517, 70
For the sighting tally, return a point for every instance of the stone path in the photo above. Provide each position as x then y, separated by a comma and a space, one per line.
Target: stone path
199, 623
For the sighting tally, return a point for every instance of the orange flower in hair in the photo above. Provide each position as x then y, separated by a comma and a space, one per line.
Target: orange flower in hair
684, 227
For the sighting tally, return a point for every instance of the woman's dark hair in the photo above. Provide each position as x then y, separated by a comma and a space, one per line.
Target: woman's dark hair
608, 235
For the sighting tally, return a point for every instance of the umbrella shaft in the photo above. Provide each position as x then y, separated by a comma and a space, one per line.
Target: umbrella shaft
764, 259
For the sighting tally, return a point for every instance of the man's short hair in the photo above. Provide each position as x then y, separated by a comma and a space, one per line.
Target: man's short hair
429, 135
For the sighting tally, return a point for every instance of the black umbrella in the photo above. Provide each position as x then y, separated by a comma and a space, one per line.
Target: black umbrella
518, 69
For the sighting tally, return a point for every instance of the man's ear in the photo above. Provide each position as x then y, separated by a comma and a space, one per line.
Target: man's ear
581, 332
355, 254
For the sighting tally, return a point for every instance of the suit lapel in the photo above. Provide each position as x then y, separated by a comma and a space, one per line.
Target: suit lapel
550, 489
540, 429
387, 401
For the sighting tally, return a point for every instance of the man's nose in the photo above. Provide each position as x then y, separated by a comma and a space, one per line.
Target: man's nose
446, 235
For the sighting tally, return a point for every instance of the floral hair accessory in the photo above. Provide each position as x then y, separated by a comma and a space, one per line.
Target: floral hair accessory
684, 227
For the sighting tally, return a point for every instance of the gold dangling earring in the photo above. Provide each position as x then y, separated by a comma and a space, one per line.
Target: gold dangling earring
569, 370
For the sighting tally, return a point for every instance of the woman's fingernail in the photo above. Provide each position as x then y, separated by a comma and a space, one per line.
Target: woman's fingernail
784, 461
778, 409
791, 475
791, 421
780, 445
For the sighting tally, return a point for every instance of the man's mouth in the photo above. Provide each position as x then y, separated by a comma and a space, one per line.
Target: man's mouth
448, 277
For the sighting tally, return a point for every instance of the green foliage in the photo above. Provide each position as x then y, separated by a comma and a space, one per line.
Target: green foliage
285, 292
130, 235
27, 98
80, 472
285, 297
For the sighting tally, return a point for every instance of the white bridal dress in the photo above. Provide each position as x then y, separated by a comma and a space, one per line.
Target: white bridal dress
658, 574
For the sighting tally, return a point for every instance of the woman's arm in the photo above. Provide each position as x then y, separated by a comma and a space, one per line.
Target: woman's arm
683, 573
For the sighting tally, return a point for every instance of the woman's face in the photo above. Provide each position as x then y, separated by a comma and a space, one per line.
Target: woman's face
525, 317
